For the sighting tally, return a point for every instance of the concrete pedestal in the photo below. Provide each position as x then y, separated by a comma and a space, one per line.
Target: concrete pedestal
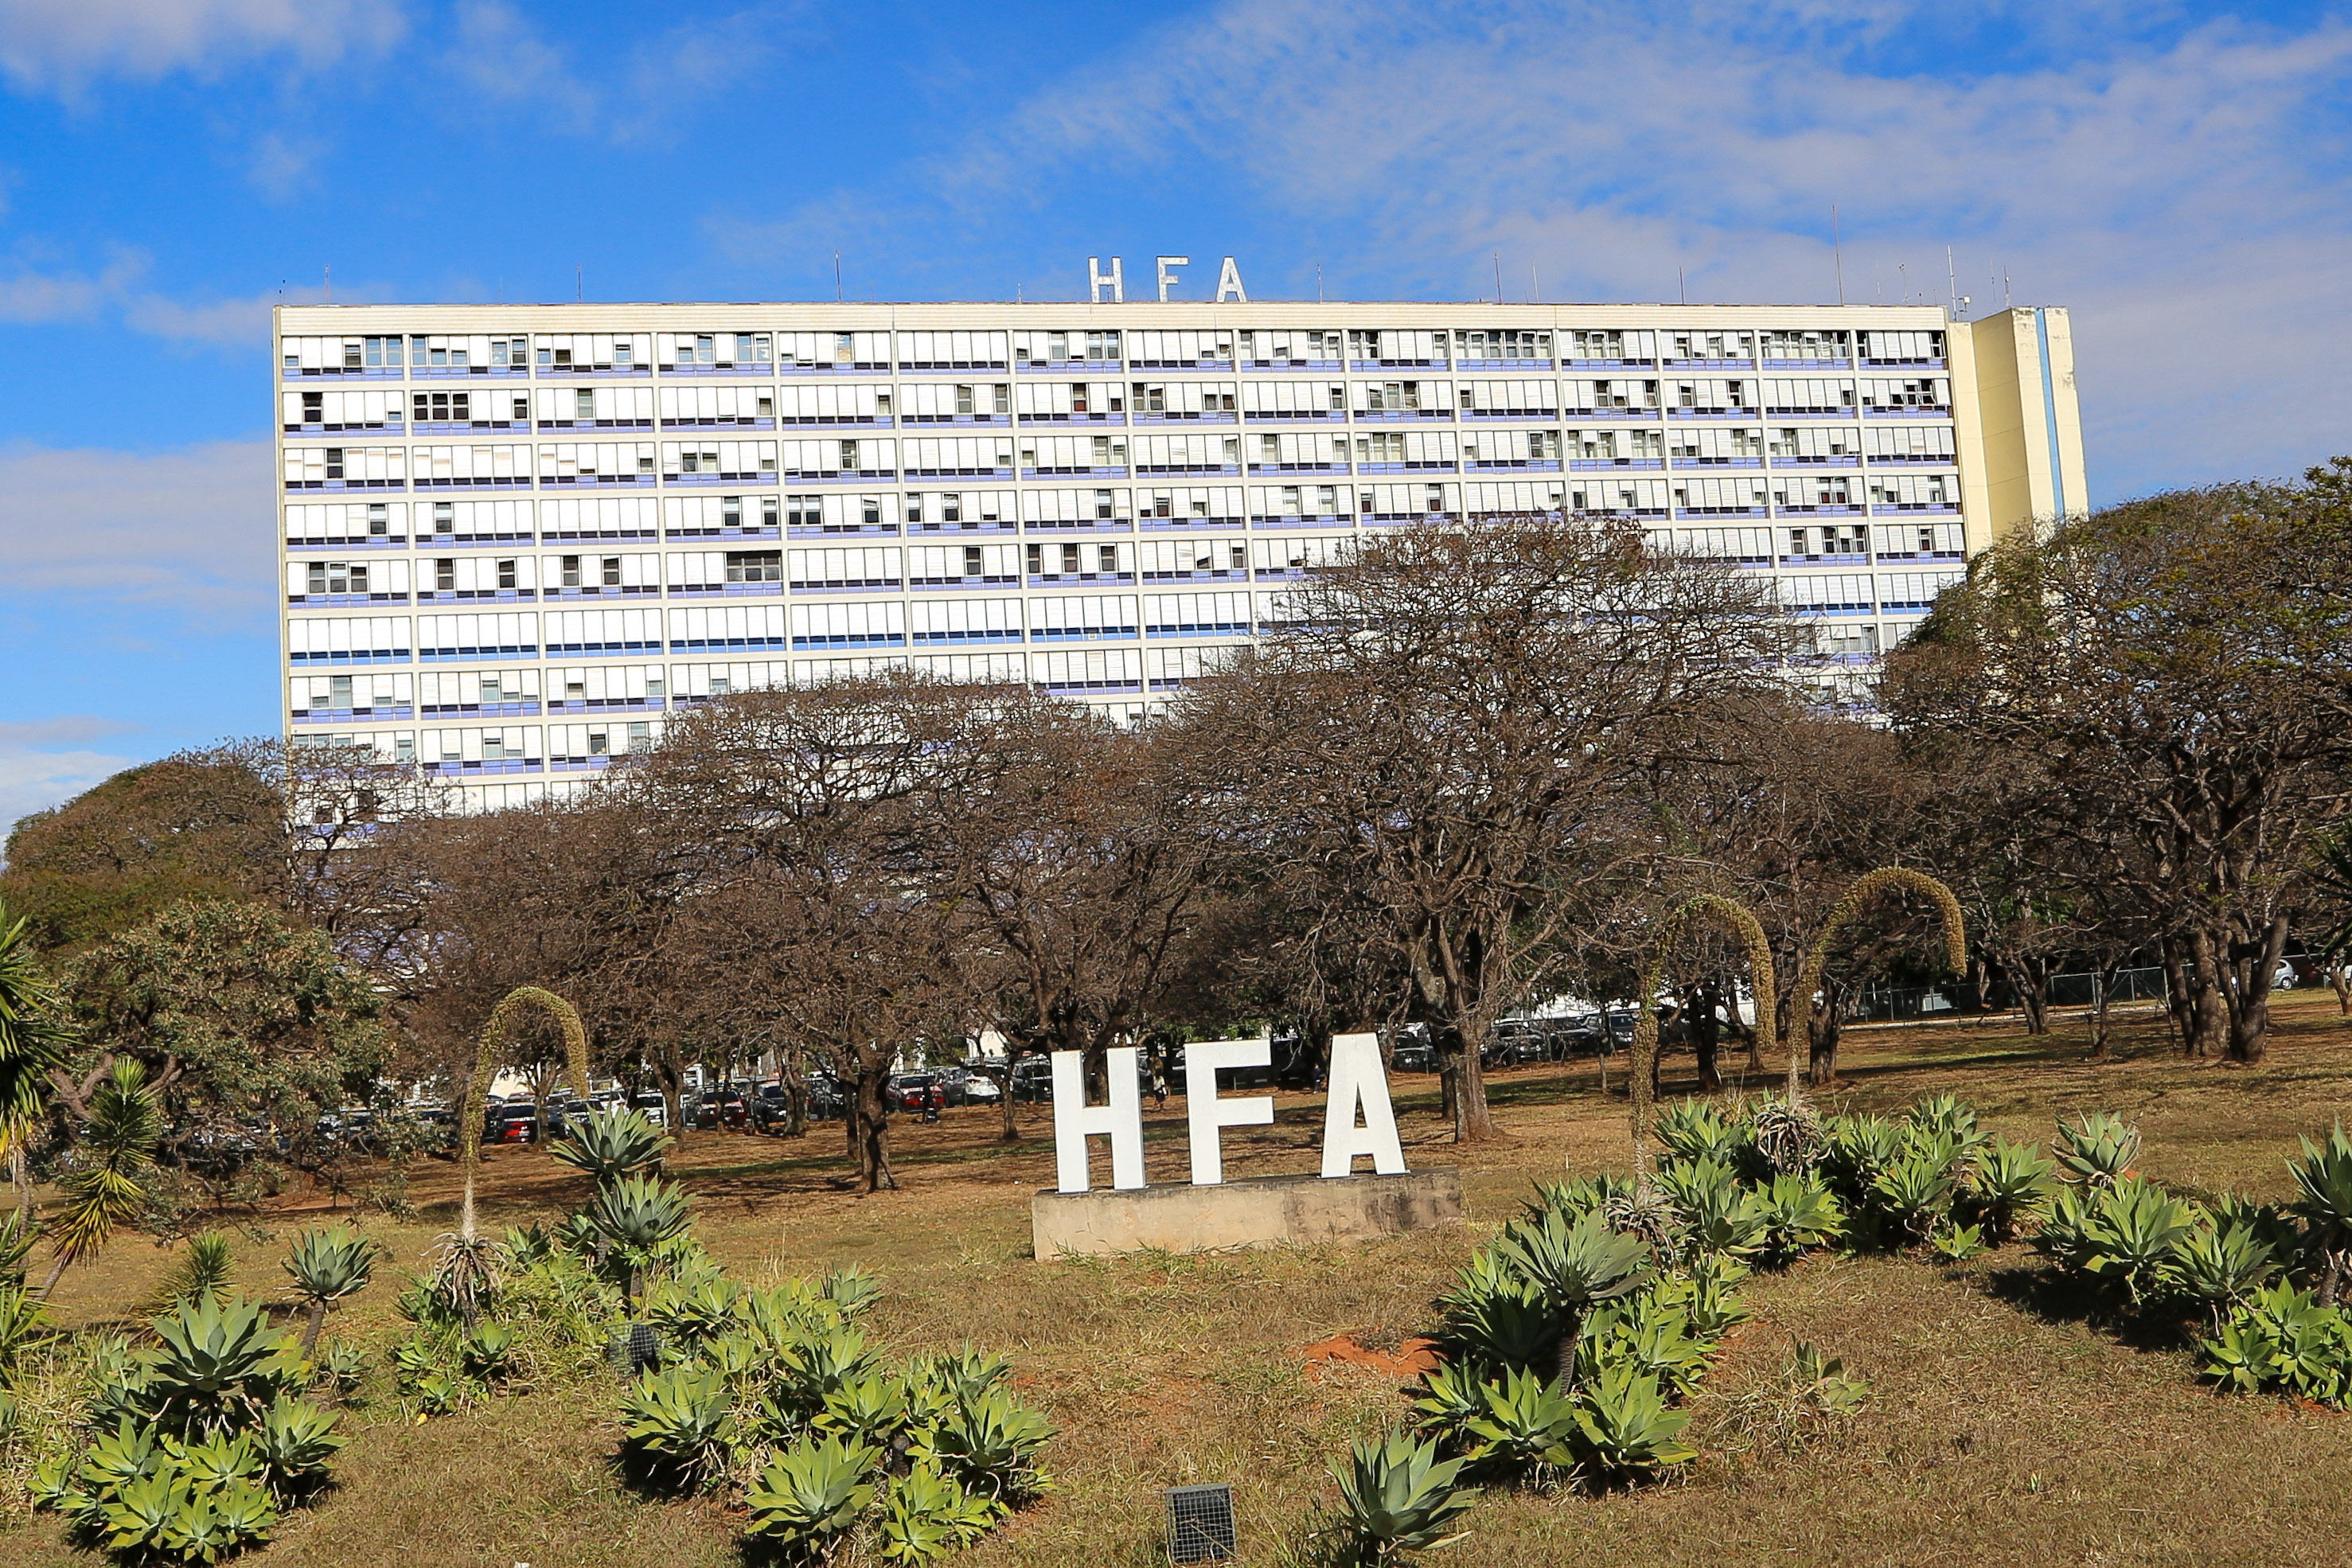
1266, 1211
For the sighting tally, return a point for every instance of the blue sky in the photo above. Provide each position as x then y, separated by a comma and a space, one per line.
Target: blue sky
2177, 176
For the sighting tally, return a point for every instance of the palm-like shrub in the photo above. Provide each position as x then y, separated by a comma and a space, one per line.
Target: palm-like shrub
203, 1269
326, 1267
1650, 1332
1914, 1191
24, 1328
294, 1442
811, 1496
1452, 1397
2281, 1338
34, 1035
1714, 1212
871, 1407
1855, 1150
1786, 1137
1397, 1497
612, 1143
107, 1188
1574, 1264
2098, 1150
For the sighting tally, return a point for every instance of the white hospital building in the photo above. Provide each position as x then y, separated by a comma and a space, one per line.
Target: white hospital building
513, 537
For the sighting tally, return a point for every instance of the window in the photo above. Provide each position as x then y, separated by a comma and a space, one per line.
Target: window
571, 570
383, 351
334, 462
971, 560
506, 574
314, 411
1103, 504
608, 570
583, 405
1106, 558
755, 566
445, 575
378, 519
951, 507
445, 516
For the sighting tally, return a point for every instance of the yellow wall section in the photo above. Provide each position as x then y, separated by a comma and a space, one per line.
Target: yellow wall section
2012, 424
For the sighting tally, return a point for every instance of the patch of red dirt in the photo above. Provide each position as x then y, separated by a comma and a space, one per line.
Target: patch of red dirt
1413, 1358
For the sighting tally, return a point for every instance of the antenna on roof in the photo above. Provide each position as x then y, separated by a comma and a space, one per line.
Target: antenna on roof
1953, 279
579, 282
1498, 277
331, 285
1682, 281
1837, 253
836, 278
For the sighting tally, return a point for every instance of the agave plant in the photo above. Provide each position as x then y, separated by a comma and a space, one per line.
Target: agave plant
927, 1515
1692, 1129
326, 1267
2282, 1338
1397, 1497
871, 1407
679, 1422
1574, 1265
693, 1311
1914, 1191
488, 1352
2323, 1178
2129, 1234
852, 1289
636, 1215
1856, 1150
989, 1445
2011, 1183
2218, 1264
465, 1277
1798, 1214
811, 1495
1495, 1315
1524, 1426
1452, 1397
218, 1364
1716, 1214
1625, 1429
1651, 1333
24, 1328
611, 1143
2098, 1150
294, 1442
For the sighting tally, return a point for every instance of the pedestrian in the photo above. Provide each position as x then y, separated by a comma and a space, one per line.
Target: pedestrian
1159, 1087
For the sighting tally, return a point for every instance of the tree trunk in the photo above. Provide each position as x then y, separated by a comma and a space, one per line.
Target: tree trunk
671, 1074
2250, 997
318, 1320
2339, 979
874, 1131
20, 1170
1009, 1128
2107, 986
2208, 1036
1705, 1036
1473, 1122
2033, 993
2176, 991
1826, 1024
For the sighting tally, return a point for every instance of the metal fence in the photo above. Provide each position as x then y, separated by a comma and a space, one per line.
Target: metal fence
1894, 1004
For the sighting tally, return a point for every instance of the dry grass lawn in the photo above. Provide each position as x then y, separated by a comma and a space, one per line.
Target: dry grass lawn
2002, 1428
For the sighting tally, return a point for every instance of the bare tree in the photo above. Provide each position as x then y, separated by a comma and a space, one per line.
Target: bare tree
1451, 737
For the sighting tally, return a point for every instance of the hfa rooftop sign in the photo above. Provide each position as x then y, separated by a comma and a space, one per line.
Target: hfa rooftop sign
1229, 279
1359, 1083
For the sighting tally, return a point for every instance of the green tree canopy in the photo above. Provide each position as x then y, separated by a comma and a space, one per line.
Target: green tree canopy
236, 1011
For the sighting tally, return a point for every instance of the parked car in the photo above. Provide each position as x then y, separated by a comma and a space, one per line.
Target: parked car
516, 1122
978, 1088
2282, 977
651, 1105
1033, 1081
914, 1091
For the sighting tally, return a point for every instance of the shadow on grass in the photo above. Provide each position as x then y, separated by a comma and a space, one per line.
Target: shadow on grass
2056, 1298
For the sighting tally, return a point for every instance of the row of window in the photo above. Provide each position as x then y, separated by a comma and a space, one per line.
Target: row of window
645, 464
333, 411
648, 575
431, 355
391, 524
510, 636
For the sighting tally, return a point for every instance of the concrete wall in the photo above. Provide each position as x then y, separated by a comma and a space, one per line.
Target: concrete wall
1266, 1211
2029, 427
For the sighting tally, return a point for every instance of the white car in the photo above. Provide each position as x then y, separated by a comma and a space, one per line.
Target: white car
2282, 977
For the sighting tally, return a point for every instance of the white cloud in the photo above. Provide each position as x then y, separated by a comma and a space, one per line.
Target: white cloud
30, 296
65, 44
502, 56
191, 530
2178, 186
45, 761
234, 323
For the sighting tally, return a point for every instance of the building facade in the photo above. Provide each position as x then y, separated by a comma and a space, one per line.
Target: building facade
514, 538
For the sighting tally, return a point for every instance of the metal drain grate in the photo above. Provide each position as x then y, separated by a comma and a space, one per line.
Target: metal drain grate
1200, 1523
